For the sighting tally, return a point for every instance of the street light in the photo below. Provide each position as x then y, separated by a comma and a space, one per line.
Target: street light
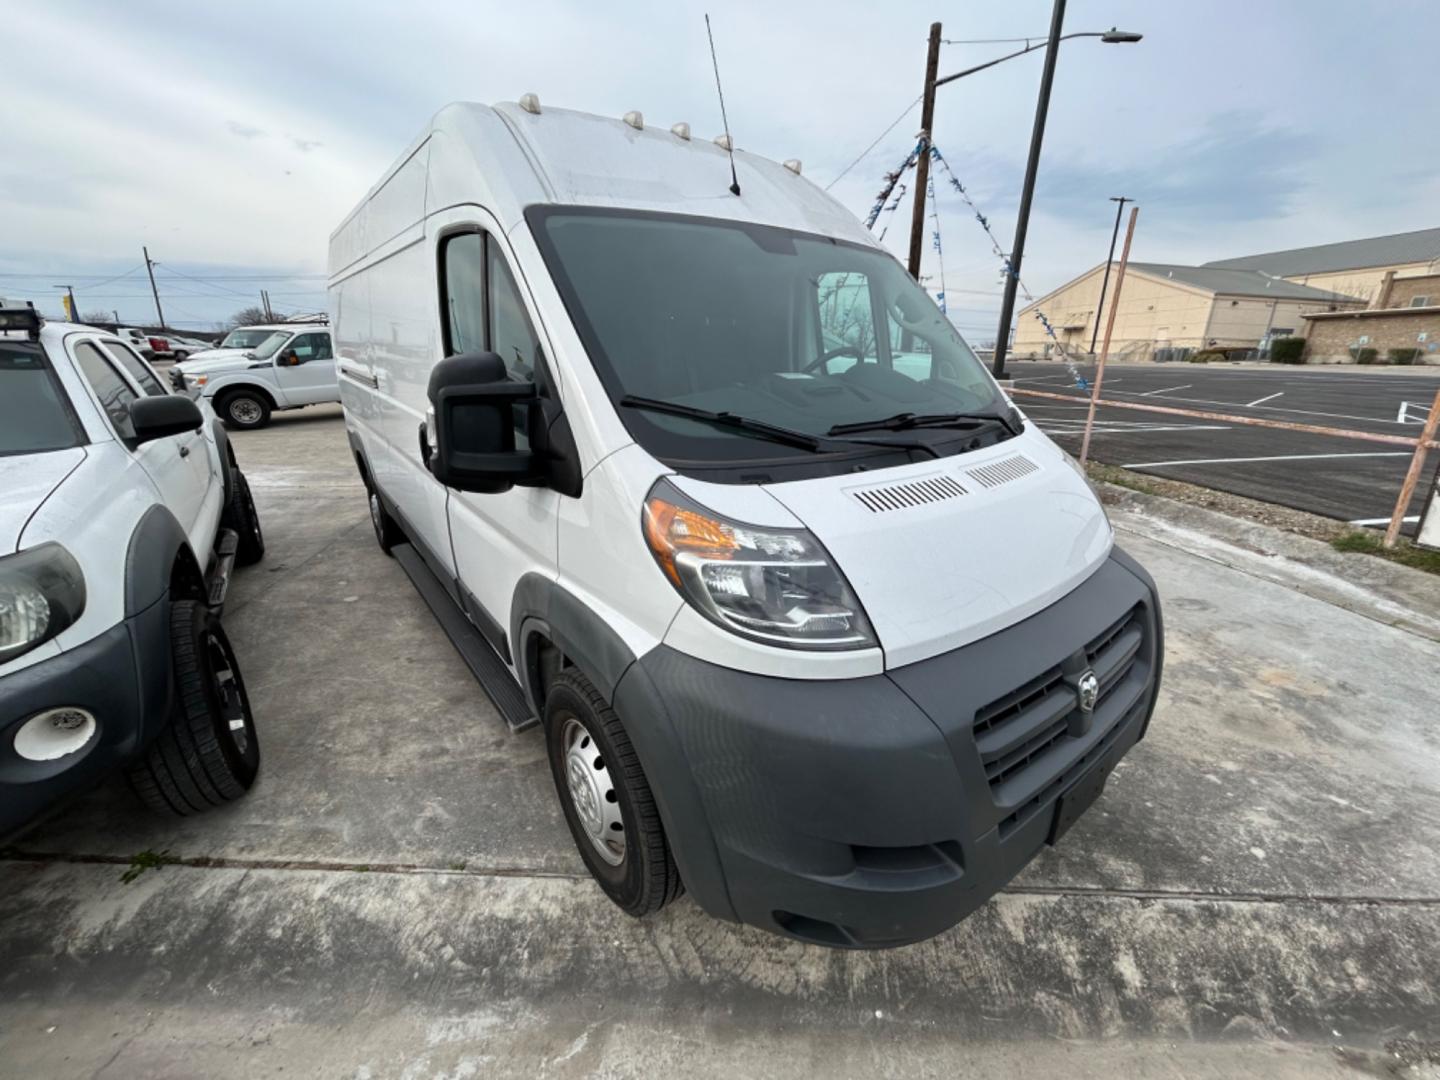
1112, 36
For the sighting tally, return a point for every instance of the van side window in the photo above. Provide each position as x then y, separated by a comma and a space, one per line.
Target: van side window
114, 392
136, 367
464, 292
510, 332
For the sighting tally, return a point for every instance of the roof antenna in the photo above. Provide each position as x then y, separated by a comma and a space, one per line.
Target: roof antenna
729, 142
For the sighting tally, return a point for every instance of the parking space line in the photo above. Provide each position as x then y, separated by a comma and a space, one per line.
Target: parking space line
1163, 390
1273, 408
1411, 520
1258, 401
1276, 457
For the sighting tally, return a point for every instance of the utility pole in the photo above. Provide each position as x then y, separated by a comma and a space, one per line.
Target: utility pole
1027, 194
116, 313
1110, 329
922, 166
74, 312
265, 305
1120, 200
150, 269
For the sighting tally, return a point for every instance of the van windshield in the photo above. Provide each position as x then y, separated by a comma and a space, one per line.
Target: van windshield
789, 328
34, 414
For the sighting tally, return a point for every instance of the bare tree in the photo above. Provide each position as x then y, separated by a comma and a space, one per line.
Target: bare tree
250, 316
97, 316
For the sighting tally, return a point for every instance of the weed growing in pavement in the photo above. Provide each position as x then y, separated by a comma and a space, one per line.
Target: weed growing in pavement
1404, 552
147, 860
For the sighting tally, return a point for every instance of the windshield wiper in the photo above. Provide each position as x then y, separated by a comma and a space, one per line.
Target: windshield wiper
906, 421
773, 432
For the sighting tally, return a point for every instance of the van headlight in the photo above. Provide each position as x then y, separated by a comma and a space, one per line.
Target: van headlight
42, 591
777, 586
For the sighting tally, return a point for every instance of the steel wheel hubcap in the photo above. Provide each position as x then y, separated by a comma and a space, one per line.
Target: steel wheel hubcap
245, 411
227, 692
592, 792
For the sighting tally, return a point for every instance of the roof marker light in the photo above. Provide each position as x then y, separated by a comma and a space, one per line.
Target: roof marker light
635, 119
530, 103
681, 130
724, 142
793, 165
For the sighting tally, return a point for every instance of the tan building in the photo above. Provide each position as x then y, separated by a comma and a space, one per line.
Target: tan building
1167, 311
1354, 267
1406, 315
1242, 303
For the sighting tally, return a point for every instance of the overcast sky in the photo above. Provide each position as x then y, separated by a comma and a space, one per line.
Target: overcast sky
232, 137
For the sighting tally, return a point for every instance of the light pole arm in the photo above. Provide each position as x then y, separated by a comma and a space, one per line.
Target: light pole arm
1010, 56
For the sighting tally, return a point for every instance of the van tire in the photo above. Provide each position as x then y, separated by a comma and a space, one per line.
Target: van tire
197, 761
240, 515
244, 410
646, 878
387, 533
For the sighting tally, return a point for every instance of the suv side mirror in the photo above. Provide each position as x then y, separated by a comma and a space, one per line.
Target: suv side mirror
474, 402
160, 417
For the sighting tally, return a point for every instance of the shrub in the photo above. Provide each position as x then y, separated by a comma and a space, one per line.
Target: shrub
1205, 356
1287, 350
1365, 355
1404, 356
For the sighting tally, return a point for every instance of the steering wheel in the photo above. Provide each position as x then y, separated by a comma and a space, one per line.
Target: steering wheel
823, 360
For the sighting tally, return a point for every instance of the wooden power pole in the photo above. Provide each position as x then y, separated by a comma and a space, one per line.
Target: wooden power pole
922, 166
150, 269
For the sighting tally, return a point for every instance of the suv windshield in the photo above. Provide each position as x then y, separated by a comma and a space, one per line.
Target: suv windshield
271, 344
784, 327
34, 413
244, 339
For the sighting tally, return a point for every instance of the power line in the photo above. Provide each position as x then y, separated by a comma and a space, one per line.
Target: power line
991, 41
224, 288
874, 144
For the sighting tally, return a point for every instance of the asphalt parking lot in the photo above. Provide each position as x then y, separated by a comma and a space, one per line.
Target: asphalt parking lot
1338, 478
1256, 892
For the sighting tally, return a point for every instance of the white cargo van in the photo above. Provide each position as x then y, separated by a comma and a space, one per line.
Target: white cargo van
814, 620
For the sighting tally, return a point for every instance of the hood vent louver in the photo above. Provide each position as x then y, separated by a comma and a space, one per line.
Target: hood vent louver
880, 500
1003, 471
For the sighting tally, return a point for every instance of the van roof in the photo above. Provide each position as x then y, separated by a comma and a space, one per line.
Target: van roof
506, 158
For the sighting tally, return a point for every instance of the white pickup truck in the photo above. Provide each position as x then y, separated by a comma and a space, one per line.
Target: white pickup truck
122, 512
292, 366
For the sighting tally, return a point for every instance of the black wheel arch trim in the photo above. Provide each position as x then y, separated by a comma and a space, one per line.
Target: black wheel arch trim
228, 465
156, 542
543, 606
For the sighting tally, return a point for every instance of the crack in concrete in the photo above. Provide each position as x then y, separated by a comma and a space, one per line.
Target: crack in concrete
205, 862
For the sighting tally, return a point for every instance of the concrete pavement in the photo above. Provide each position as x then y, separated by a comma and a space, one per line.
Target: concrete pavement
1256, 892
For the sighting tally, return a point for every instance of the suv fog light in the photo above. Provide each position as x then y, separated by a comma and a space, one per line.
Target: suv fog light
54, 733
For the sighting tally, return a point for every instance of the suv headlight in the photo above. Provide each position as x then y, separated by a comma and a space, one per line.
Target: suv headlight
777, 586
42, 591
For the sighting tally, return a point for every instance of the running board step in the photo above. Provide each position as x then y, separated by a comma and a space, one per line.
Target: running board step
226, 544
489, 670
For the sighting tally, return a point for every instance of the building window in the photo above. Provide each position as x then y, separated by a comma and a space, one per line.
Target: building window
1420, 301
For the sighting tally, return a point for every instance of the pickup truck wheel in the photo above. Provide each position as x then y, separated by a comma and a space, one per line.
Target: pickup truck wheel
606, 798
244, 409
208, 754
240, 515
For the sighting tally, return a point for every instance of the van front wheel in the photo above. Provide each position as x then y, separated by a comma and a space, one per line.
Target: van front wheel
606, 798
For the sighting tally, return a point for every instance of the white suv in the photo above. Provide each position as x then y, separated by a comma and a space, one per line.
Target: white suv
122, 512
292, 366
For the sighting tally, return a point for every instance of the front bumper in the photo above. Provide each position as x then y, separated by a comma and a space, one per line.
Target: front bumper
121, 677
879, 811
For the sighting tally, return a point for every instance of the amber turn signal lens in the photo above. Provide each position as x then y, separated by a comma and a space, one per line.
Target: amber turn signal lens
671, 529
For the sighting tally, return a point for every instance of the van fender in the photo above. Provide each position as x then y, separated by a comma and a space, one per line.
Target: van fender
544, 609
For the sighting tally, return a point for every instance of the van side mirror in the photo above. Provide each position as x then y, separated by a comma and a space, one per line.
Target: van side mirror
475, 407
159, 417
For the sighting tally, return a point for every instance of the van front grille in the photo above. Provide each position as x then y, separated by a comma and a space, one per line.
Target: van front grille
1033, 738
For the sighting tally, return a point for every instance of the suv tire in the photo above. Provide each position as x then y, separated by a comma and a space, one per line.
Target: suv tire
606, 798
207, 754
240, 515
243, 410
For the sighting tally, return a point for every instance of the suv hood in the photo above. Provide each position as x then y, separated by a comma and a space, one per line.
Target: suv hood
946, 552
26, 481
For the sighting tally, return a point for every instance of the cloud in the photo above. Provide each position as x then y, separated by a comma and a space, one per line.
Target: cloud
304, 145
245, 131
